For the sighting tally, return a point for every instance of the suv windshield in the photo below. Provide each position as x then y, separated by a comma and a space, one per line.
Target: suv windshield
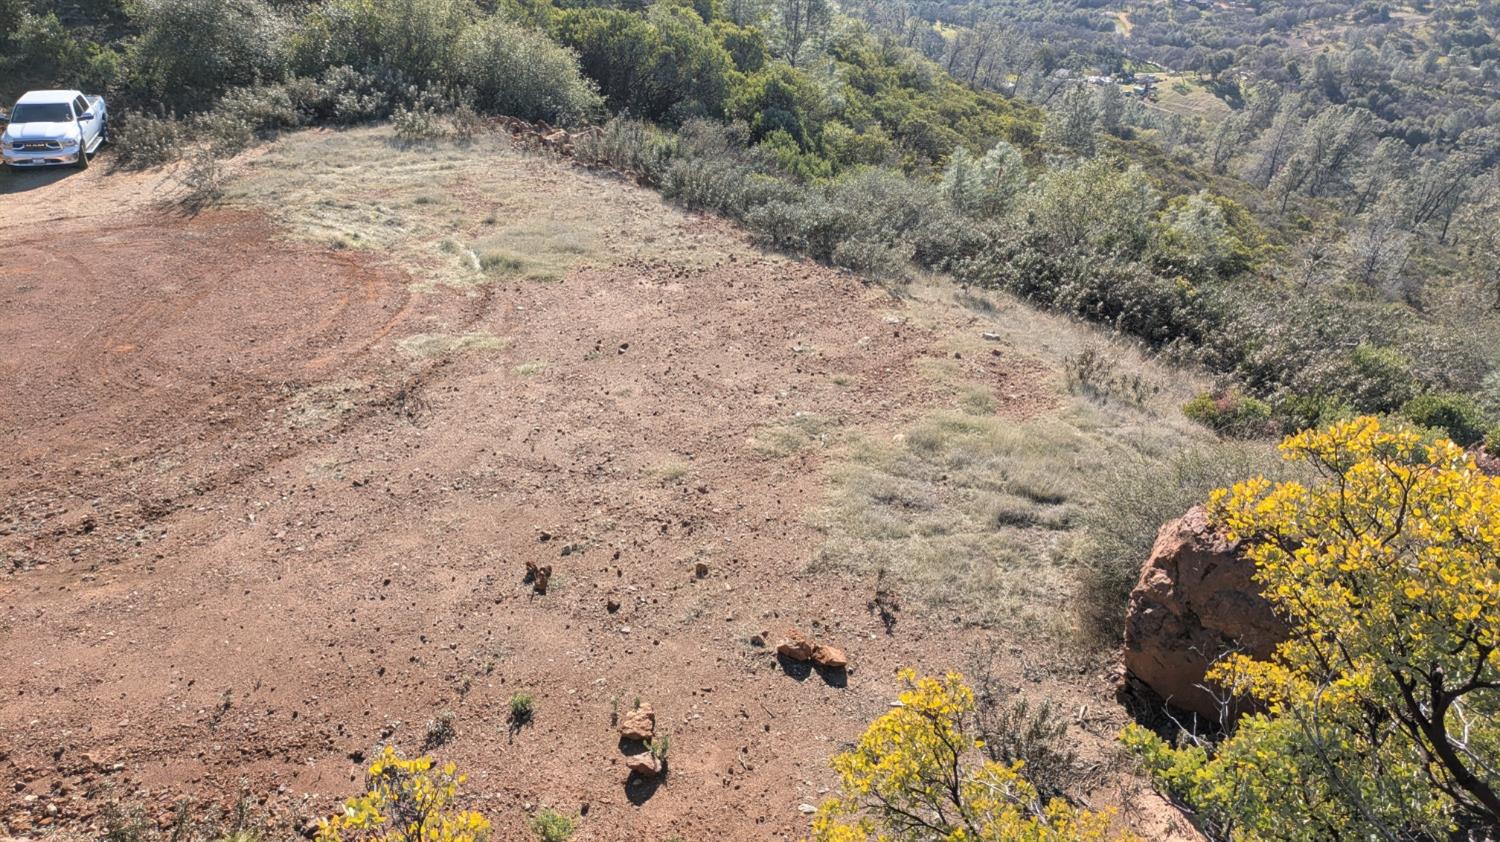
42, 112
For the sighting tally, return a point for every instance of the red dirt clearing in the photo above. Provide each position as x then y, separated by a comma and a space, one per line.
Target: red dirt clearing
244, 536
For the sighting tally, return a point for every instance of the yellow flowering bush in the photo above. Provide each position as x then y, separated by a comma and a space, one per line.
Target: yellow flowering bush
1380, 717
406, 801
917, 774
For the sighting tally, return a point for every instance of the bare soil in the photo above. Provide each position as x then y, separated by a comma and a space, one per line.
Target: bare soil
257, 516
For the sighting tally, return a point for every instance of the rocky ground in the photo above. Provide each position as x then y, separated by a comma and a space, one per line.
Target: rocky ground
268, 503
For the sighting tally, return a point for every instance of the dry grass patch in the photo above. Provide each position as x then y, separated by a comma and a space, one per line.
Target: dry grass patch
668, 473
461, 214
968, 513
787, 437
444, 344
1184, 94
994, 519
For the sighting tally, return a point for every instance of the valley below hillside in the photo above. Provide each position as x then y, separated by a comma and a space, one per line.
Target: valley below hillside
273, 474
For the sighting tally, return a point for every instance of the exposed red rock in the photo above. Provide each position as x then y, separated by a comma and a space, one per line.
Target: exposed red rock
638, 724
796, 645
1194, 603
830, 657
644, 764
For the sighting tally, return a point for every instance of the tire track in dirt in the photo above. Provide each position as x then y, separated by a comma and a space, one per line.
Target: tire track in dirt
170, 337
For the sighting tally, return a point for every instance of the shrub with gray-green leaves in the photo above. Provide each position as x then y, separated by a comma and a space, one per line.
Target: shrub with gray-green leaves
520, 72
415, 40
629, 145
191, 51
243, 115
142, 141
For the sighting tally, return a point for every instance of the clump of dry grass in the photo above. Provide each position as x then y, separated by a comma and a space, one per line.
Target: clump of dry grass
459, 214
1142, 494
1018, 524
444, 344
968, 512
789, 436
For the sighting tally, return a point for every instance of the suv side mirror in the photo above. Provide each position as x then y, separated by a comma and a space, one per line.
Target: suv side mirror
87, 115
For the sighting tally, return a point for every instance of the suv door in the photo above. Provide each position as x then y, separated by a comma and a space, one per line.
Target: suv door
89, 127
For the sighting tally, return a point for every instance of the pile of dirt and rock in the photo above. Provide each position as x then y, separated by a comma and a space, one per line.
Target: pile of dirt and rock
638, 738
796, 646
1195, 602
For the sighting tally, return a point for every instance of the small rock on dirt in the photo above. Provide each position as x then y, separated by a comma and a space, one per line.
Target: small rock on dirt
638, 724
795, 645
829, 657
644, 764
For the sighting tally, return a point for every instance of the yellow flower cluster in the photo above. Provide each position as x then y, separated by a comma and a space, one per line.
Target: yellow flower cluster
406, 801
1382, 712
917, 774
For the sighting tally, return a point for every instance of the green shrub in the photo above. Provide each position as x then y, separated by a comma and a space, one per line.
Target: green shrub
873, 258
1093, 207
1302, 412
37, 49
631, 146
142, 141
1492, 441
984, 186
664, 65
805, 223
522, 709
708, 184
265, 108
191, 51
791, 160
409, 41
244, 114
746, 45
778, 98
552, 826
1374, 378
417, 123
1231, 414
522, 73
343, 95
1456, 415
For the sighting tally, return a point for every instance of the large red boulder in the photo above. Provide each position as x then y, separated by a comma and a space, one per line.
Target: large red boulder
1194, 603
